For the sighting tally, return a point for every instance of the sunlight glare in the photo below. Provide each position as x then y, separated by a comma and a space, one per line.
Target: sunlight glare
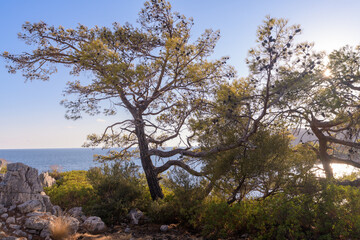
327, 73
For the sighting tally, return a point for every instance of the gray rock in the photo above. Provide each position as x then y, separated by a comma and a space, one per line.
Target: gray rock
5, 215
3, 209
94, 225
12, 207
73, 224
14, 226
32, 231
47, 203
57, 211
10, 220
127, 230
21, 183
46, 180
45, 233
10, 238
31, 206
135, 216
20, 233
164, 228
32, 214
38, 222
76, 212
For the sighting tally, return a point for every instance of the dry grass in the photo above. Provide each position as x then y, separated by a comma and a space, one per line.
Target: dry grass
60, 229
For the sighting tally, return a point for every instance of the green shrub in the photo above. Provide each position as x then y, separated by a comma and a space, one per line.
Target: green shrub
73, 189
182, 200
331, 213
3, 170
119, 187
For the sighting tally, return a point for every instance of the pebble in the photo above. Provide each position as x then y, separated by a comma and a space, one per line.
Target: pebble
164, 228
10, 220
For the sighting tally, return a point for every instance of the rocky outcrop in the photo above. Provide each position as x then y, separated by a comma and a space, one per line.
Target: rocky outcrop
21, 184
26, 211
46, 180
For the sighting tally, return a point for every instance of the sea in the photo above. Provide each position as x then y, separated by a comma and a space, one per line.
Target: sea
61, 159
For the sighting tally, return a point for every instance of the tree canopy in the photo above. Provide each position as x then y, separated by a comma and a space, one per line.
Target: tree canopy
174, 92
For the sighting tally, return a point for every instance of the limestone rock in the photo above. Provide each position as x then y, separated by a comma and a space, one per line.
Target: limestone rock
73, 224
76, 212
38, 222
46, 180
94, 225
57, 211
31, 206
21, 183
135, 216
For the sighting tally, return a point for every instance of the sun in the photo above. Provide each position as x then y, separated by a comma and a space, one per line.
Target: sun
327, 73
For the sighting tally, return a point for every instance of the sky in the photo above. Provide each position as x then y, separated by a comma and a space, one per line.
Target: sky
30, 113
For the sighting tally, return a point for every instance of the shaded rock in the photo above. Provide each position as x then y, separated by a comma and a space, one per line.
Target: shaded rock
10, 238
3, 209
31, 206
127, 230
135, 216
57, 211
10, 220
73, 224
47, 203
46, 180
14, 226
38, 222
164, 228
94, 225
76, 212
45, 233
12, 207
20, 233
5, 215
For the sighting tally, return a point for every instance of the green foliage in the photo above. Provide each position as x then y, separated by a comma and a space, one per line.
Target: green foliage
73, 189
3, 169
332, 213
182, 201
118, 187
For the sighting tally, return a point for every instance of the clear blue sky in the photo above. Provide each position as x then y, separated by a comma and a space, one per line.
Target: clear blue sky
30, 113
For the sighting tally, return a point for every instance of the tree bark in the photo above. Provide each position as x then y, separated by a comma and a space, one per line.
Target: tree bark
323, 155
149, 169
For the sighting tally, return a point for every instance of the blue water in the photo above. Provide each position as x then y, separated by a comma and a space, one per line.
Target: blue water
42, 159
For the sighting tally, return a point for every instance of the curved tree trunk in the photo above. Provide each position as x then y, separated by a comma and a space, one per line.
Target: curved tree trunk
151, 176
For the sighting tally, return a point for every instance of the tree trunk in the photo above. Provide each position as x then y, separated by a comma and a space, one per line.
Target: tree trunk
324, 158
151, 177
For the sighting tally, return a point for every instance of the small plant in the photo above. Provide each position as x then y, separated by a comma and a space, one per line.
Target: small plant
3, 170
60, 228
73, 189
